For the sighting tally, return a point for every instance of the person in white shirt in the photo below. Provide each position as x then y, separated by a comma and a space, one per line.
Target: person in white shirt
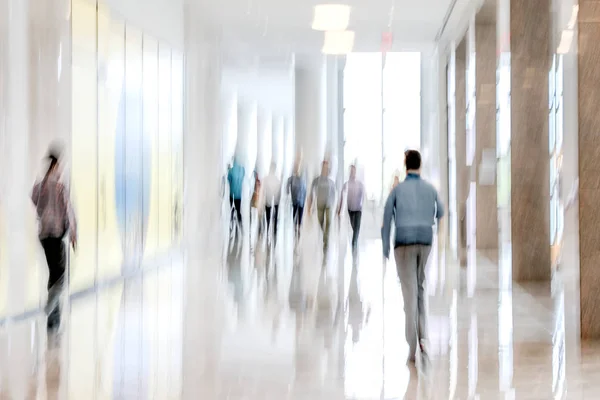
272, 196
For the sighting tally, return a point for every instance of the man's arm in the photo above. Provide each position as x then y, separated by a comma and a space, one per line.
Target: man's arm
388, 213
439, 207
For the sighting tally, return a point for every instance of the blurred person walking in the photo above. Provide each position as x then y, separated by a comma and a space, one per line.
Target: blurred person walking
323, 189
413, 206
235, 178
296, 187
56, 221
354, 191
272, 195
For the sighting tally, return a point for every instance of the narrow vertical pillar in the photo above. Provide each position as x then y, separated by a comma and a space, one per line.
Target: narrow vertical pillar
310, 118
340, 116
278, 141
289, 147
247, 131
462, 172
245, 154
16, 185
332, 110
264, 142
524, 47
589, 177
471, 143
203, 225
229, 118
485, 145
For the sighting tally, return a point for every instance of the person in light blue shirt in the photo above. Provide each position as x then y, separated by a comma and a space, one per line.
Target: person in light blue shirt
413, 206
296, 187
235, 178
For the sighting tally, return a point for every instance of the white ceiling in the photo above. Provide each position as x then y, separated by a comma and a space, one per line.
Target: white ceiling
278, 28
261, 37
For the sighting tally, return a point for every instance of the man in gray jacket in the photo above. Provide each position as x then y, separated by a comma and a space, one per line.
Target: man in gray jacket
323, 193
414, 205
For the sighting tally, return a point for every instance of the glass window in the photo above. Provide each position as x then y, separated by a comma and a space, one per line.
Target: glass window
551, 131
84, 173
402, 105
382, 115
131, 151
150, 122
177, 120
111, 77
165, 209
363, 119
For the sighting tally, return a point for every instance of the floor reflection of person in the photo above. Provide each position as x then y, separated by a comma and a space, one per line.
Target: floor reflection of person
296, 187
272, 193
56, 221
413, 207
354, 191
323, 189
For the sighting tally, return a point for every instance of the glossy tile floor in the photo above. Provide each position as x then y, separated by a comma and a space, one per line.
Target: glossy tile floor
288, 335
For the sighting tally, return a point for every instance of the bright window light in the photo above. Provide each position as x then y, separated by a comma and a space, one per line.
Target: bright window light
565, 42
331, 17
338, 43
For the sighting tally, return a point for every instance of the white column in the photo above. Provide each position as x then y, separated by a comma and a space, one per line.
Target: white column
264, 143
229, 100
277, 140
247, 125
246, 155
245, 151
288, 158
332, 109
16, 148
203, 230
50, 79
311, 123
14, 73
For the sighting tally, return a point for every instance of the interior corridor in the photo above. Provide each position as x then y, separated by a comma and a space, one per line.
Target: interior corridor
285, 334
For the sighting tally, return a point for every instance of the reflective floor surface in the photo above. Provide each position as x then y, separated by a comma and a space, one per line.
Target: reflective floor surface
287, 334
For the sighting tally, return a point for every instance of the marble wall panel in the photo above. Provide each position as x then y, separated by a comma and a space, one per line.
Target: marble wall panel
530, 191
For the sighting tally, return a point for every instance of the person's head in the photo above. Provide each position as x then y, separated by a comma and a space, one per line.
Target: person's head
412, 160
396, 180
54, 158
325, 168
353, 172
273, 167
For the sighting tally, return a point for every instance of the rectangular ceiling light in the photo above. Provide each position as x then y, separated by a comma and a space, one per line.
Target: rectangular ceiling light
331, 17
338, 42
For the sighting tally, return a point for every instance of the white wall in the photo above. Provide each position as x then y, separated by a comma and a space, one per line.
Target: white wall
434, 138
